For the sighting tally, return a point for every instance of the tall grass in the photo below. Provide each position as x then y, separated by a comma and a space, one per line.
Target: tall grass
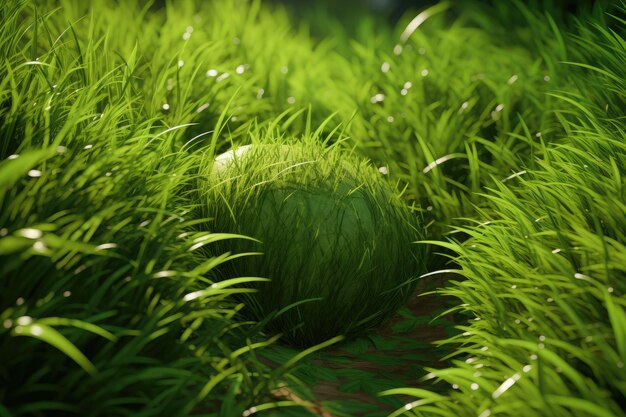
107, 307
544, 265
108, 110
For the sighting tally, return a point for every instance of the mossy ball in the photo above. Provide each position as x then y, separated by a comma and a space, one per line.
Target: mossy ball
337, 241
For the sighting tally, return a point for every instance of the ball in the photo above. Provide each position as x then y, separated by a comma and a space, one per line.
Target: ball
336, 240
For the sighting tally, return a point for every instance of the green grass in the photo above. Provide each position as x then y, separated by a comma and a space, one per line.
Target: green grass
502, 124
332, 234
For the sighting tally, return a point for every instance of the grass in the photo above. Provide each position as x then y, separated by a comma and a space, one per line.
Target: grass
503, 124
332, 233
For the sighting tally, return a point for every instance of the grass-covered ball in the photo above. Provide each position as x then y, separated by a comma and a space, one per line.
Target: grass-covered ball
336, 240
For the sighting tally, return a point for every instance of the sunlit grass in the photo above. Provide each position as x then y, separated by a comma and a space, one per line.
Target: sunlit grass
544, 268
504, 125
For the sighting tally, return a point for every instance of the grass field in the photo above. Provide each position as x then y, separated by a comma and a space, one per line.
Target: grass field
501, 125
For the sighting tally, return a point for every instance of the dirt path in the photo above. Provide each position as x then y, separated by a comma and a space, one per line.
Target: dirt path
344, 380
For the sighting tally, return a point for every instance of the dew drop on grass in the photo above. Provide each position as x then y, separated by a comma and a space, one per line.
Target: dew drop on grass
284, 69
404, 91
14, 156
30, 233
202, 108
549, 299
455, 386
249, 411
34, 173
424, 72
533, 357
67, 294
222, 77
39, 246
7, 323
36, 330
19, 301
390, 119
259, 94
397, 49
512, 80
546, 78
164, 274
514, 286
377, 98
485, 413
240, 69
181, 63
211, 73
24, 320
620, 364
557, 250
61, 149
408, 406
421, 51
105, 246
385, 67
291, 100
4, 231
383, 170
474, 386
236, 40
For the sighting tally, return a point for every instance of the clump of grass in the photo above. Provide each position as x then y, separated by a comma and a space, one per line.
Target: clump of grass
336, 240
107, 305
544, 267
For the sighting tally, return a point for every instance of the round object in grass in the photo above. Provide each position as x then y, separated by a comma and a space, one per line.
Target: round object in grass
337, 241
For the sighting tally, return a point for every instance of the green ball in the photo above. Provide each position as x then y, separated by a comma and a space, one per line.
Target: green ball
337, 241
